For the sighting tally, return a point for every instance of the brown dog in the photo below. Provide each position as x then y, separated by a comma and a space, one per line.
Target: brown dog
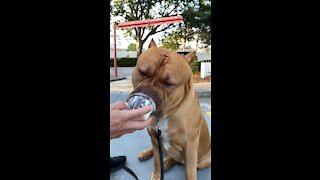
167, 77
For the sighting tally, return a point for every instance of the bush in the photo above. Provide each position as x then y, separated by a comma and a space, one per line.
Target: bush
131, 62
131, 47
196, 66
124, 62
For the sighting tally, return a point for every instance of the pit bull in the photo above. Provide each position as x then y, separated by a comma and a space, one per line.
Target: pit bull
167, 77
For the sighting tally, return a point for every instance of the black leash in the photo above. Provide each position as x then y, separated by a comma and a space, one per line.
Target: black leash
126, 169
130, 172
160, 153
160, 150
158, 131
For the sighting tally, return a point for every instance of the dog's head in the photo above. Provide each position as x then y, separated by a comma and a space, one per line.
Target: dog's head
165, 76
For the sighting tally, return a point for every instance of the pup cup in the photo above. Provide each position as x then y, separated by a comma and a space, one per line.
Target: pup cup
140, 100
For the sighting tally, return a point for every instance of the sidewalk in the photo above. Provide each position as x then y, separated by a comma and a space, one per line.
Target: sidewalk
121, 83
116, 78
120, 87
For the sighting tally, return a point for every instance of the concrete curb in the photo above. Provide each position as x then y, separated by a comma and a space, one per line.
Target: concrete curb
116, 78
203, 94
111, 80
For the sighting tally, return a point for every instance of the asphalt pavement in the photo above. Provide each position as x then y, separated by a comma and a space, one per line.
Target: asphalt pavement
131, 144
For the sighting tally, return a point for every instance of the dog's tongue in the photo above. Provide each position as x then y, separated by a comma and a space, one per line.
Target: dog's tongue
140, 100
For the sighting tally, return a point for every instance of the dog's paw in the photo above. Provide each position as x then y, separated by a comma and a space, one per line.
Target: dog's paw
155, 176
143, 155
168, 162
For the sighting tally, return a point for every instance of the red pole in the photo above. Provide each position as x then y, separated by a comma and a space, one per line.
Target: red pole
115, 50
150, 22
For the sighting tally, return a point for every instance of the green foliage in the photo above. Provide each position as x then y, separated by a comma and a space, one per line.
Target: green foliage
124, 62
131, 62
196, 24
131, 47
196, 66
132, 10
171, 42
205, 22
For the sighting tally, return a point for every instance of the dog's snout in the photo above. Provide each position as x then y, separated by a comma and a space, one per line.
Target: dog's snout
154, 93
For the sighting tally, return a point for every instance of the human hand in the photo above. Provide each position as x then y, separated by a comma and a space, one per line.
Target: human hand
126, 121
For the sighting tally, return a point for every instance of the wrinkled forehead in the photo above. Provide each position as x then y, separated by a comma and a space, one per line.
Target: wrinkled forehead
153, 55
163, 61
158, 56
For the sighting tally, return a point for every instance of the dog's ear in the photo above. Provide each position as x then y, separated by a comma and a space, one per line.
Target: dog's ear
191, 57
152, 44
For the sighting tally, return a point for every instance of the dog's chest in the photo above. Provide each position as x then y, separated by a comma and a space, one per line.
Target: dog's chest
163, 126
174, 150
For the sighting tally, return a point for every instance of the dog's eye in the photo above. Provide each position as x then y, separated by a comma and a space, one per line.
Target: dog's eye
142, 73
168, 84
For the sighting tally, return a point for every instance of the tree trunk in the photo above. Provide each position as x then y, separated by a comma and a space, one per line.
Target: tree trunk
139, 47
197, 41
184, 35
138, 44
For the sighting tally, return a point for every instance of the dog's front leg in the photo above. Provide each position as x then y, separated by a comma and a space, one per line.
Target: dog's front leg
156, 171
191, 157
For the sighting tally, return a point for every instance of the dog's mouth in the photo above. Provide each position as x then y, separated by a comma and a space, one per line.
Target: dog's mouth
140, 100
147, 97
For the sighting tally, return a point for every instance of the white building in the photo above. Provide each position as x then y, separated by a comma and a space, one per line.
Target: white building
121, 41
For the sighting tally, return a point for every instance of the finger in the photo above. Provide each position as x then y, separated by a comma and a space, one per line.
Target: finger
123, 132
118, 105
138, 125
139, 112
114, 136
130, 131
140, 118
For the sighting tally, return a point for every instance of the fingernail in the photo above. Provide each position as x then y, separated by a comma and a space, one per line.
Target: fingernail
126, 103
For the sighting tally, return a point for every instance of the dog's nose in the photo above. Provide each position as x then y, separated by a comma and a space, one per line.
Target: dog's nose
139, 100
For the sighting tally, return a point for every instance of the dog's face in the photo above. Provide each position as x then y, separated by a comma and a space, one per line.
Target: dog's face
165, 76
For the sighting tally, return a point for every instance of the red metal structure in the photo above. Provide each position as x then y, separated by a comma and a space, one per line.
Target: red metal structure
141, 23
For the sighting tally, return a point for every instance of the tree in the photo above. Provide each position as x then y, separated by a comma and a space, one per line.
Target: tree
196, 25
146, 9
131, 47
172, 42
205, 22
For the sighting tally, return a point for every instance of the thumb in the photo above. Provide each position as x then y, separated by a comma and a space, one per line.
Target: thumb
118, 105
